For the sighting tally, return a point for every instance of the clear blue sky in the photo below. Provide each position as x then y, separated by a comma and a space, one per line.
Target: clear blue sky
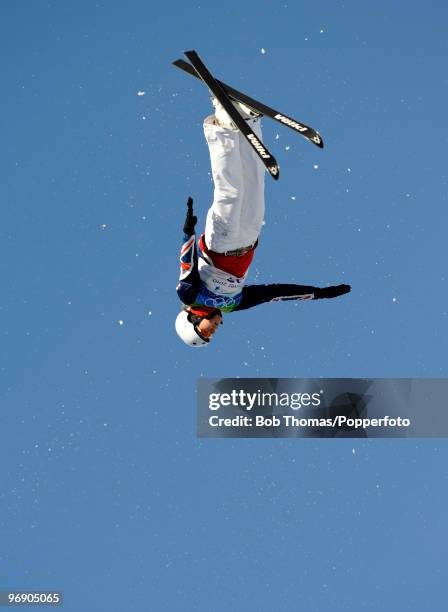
105, 492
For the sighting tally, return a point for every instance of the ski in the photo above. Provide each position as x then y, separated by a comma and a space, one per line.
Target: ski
220, 93
262, 109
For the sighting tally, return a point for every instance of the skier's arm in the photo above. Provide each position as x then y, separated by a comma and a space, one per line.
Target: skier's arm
189, 280
253, 295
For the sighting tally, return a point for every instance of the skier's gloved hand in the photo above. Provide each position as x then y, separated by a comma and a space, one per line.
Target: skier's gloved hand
332, 292
190, 220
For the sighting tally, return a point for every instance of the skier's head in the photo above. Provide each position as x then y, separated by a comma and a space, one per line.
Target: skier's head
196, 330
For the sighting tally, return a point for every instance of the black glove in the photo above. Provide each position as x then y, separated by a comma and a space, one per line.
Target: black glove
332, 292
190, 220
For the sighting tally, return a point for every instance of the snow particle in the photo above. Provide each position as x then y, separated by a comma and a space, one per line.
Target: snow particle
103, 227
141, 93
263, 51
316, 167
120, 322
293, 197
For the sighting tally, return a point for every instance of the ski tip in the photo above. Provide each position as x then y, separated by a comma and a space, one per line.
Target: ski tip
274, 171
317, 139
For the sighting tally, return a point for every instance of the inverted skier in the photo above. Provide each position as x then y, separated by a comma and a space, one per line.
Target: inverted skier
213, 272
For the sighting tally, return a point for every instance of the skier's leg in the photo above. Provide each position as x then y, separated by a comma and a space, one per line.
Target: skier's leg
222, 230
253, 208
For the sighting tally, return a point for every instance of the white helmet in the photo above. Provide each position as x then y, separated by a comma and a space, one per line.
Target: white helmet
187, 331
